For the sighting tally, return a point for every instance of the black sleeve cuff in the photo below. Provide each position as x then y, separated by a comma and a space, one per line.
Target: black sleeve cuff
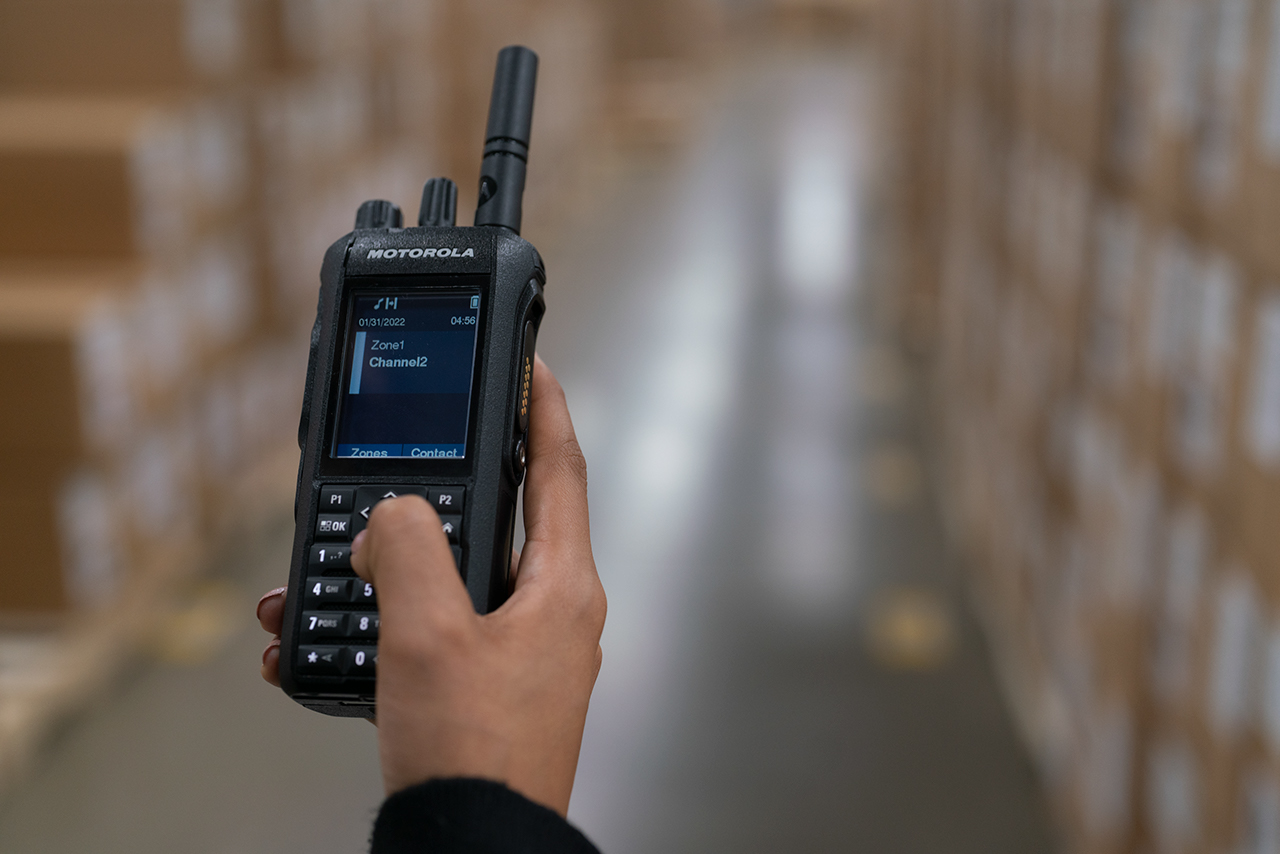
463, 816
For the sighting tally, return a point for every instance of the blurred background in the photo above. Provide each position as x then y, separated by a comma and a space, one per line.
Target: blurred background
925, 355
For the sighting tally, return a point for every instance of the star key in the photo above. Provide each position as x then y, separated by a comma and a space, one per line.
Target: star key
320, 660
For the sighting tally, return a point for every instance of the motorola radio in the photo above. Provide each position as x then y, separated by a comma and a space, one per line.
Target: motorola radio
417, 384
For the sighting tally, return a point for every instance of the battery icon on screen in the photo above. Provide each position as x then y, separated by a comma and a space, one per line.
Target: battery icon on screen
475, 301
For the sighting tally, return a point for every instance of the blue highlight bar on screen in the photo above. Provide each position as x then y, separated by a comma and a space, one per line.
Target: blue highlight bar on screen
417, 452
357, 364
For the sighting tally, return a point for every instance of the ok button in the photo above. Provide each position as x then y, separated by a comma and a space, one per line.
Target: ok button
331, 527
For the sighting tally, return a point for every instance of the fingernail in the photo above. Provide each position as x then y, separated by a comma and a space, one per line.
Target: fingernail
279, 591
357, 543
275, 644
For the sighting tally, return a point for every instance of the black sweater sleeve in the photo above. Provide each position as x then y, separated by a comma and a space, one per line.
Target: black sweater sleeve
464, 816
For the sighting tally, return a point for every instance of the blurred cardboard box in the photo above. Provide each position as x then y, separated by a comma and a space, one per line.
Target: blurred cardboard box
117, 46
94, 354
117, 179
64, 539
65, 355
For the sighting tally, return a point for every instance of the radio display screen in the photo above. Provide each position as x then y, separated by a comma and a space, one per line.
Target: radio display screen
408, 375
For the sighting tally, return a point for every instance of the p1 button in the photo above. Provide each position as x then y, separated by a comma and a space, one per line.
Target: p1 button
335, 500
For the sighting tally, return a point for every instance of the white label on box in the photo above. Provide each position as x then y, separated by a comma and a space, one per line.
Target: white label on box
1171, 311
219, 286
1216, 159
1217, 333
162, 333
104, 364
161, 501
1119, 238
217, 152
90, 541
1262, 423
1260, 815
1022, 193
1202, 372
223, 440
159, 173
1269, 114
1271, 691
1107, 771
214, 35
1133, 551
1081, 47
1237, 615
1173, 795
1179, 61
1188, 549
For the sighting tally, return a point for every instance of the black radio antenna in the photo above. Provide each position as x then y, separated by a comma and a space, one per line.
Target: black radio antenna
506, 143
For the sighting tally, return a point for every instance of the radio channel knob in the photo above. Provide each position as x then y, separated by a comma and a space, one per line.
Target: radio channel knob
379, 213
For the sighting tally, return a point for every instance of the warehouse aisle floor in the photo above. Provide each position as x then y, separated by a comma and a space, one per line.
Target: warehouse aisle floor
787, 665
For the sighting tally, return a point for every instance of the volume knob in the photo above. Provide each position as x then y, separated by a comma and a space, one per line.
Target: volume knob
439, 203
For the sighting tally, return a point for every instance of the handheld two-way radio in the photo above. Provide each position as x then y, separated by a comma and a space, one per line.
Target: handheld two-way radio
418, 383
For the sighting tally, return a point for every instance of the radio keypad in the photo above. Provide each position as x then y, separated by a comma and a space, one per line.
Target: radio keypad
346, 602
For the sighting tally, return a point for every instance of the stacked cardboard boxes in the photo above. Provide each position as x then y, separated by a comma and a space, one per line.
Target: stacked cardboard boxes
1090, 194
171, 172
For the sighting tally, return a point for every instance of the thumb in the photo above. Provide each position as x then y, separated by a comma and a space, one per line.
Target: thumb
406, 556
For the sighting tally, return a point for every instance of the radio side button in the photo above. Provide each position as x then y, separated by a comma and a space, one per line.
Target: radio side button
525, 383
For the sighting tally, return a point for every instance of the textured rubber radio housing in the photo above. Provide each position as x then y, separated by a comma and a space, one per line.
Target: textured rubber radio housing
495, 278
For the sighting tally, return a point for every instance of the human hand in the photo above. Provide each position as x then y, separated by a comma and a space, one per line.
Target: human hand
502, 696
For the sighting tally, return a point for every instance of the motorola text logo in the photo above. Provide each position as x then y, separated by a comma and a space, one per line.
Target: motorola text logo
420, 253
